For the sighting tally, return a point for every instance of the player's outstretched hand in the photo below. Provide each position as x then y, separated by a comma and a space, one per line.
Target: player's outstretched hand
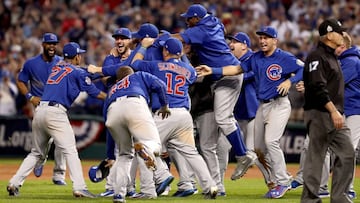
284, 87
92, 69
147, 41
203, 70
164, 111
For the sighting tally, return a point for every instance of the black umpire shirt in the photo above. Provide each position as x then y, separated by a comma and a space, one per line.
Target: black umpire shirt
323, 79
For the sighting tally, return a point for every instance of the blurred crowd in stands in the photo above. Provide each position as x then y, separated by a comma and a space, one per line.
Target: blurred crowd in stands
91, 23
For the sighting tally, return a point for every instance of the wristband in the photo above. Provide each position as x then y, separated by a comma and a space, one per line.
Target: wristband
142, 50
217, 71
28, 96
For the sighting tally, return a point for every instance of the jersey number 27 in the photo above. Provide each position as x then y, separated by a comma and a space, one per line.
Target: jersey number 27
57, 74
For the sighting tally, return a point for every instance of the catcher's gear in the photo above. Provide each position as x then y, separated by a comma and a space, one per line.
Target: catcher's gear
98, 173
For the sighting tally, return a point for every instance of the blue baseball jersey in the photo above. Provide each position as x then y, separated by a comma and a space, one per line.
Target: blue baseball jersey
350, 65
139, 83
65, 82
154, 52
177, 75
247, 104
207, 39
36, 70
111, 60
270, 71
111, 63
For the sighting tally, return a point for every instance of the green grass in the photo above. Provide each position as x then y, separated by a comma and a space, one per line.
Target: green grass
246, 190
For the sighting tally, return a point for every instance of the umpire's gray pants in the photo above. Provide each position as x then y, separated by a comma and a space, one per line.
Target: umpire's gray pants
323, 135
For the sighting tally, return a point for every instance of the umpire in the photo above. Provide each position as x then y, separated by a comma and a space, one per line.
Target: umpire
324, 108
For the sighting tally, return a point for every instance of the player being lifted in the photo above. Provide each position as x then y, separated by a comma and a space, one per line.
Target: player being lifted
206, 35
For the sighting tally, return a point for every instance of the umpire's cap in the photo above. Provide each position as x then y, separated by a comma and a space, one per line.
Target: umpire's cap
146, 30
268, 31
124, 32
195, 10
50, 38
331, 25
72, 49
173, 45
98, 173
241, 37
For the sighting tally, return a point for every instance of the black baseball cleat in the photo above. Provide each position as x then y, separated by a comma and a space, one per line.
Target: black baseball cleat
13, 191
212, 193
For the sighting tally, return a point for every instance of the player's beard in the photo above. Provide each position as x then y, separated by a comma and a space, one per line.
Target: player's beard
49, 53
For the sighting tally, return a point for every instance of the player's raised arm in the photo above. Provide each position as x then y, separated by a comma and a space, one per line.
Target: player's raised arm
145, 43
204, 70
94, 69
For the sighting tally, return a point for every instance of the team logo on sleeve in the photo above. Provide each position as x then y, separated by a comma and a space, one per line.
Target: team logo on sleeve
273, 72
87, 80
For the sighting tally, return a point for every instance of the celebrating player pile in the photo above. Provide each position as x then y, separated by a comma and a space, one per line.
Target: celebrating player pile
238, 98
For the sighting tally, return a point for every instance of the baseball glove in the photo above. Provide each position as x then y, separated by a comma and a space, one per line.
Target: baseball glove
99, 172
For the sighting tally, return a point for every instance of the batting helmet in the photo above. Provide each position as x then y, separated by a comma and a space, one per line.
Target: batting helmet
98, 173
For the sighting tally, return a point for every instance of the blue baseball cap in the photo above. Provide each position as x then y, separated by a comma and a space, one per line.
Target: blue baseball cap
125, 32
72, 49
242, 37
268, 31
50, 38
173, 45
146, 30
195, 10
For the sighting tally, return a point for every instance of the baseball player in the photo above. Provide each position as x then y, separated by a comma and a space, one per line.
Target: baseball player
132, 92
185, 185
117, 55
147, 183
273, 69
205, 33
35, 73
63, 85
147, 179
247, 104
175, 135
